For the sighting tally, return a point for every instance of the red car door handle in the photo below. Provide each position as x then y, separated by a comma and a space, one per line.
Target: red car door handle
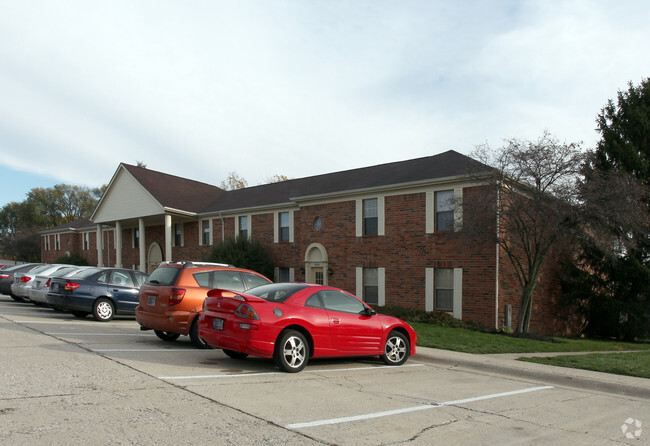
336, 321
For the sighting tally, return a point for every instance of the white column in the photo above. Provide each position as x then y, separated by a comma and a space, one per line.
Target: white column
100, 247
141, 247
168, 238
118, 244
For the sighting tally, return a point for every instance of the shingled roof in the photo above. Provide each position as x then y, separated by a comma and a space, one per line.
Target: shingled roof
444, 165
175, 192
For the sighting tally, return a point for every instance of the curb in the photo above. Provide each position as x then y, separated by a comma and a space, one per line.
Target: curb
562, 376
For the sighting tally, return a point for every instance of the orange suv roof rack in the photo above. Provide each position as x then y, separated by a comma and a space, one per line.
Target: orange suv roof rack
192, 264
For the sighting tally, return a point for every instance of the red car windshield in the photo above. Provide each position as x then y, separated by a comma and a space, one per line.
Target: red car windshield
277, 292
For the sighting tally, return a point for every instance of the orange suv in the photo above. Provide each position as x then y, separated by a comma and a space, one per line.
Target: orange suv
171, 300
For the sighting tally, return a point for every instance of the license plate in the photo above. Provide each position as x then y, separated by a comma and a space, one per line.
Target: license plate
217, 324
151, 300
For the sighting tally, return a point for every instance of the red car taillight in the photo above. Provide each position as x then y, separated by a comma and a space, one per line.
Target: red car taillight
246, 311
25, 279
71, 286
4, 276
176, 296
47, 284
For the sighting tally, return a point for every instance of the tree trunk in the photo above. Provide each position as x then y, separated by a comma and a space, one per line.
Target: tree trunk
525, 309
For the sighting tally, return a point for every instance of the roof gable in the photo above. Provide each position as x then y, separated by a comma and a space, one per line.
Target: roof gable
125, 198
136, 192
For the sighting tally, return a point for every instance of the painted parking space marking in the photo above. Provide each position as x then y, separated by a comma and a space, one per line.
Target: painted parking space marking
236, 375
77, 322
411, 409
98, 334
161, 350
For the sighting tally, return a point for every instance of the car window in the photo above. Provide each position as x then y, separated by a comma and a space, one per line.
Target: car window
85, 273
165, 276
121, 278
338, 301
203, 279
314, 302
103, 278
39, 269
277, 292
63, 271
140, 278
228, 280
253, 280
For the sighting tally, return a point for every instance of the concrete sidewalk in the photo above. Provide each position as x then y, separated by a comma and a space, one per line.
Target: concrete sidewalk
561, 376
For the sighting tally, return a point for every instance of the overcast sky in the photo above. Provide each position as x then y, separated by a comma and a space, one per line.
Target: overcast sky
202, 88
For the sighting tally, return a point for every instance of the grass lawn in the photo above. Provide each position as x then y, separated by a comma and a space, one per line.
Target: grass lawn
632, 364
470, 341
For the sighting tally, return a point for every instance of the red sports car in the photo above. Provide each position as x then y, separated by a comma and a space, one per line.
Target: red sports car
292, 322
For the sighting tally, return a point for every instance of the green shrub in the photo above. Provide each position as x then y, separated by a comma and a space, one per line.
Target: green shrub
73, 259
428, 317
243, 253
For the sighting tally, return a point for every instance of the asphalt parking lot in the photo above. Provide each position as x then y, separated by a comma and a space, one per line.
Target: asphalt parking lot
71, 381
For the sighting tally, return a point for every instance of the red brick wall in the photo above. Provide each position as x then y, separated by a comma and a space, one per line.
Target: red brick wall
405, 251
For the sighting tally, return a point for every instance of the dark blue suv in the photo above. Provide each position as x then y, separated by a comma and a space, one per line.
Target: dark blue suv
104, 292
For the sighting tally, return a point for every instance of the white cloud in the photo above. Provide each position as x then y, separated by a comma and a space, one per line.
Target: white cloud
301, 88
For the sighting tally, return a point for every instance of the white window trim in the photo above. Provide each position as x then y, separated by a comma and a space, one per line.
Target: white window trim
210, 241
276, 226
381, 218
292, 274
430, 209
429, 292
381, 285
248, 225
182, 234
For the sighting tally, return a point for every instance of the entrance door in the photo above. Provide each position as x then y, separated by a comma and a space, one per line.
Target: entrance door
318, 276
155, 257
316, 264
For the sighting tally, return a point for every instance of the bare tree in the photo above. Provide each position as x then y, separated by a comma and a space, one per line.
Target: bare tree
535, 197
233, 181
277, 178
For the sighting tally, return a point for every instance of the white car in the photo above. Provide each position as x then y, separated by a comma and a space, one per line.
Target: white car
23, 281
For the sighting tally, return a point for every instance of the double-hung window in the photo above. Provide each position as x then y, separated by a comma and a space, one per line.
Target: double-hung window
370, 217
136, 238
205, 232
283, 227
444, 289
178, 234
243, 227
445, 210
371, 286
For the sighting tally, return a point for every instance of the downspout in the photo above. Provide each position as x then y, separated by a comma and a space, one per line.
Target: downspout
496, 284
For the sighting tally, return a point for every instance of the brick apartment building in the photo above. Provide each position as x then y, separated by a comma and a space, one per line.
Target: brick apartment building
392, 234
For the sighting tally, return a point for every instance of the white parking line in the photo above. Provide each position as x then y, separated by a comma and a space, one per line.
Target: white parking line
411, 409
78, 322
162, 350
236, 375
99, 334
